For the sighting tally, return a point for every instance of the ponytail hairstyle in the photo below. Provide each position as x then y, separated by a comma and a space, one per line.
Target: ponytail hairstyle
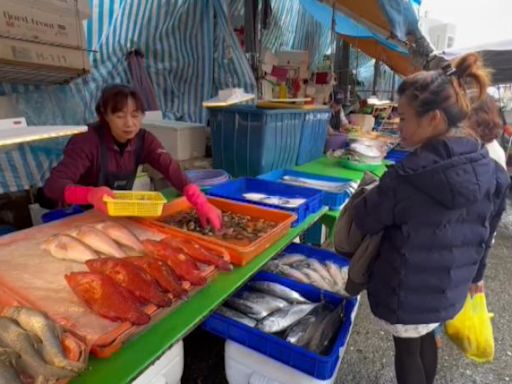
447, 89
486, 120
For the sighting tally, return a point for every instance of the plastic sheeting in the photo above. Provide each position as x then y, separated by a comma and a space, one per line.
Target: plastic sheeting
190, 51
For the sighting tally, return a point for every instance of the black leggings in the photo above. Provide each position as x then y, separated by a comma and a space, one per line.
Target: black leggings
416, 359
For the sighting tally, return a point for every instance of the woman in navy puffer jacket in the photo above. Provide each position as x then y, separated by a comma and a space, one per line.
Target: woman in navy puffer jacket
438, 210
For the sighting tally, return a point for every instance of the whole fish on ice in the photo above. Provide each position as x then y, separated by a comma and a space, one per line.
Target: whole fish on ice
278, 290
31, 362
121, 234
283, 318
66, 247
8, 373
42, 326
235, 315
97, 240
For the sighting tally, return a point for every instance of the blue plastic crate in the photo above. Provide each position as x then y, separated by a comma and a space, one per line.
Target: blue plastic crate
235, 189
332, 200
247, 141
319, 366
396, 155
313, 137
58, 214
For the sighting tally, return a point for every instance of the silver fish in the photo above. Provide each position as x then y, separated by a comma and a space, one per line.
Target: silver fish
272, 266
318, 314
294, 274
121, 234
320, 269
315, 279
271, 303
255, 310
283, 318
334, 272
278, 290
235, 315
291, 258
66, 247
40, 325
8, 373
327, 331
295, 334
30, 361
97, 240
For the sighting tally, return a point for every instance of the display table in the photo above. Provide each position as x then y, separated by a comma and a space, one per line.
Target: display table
137, 354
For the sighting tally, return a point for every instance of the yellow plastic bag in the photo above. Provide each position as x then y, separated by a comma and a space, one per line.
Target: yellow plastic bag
471, 329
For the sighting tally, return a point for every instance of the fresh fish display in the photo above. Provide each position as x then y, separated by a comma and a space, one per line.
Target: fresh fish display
120, 234
270, 302
291, 258
8, 373
326, 332
257, 309
278, 290
184, 266
236, 228
199, 253
315, 278
327, 275
235, 315
322, 271
294, 274
283, 318
30, 361
318, 315
131, 277
66, 247
162, 273
40, 325
296, 333
104, 297
274, 200
97, 240
329, 186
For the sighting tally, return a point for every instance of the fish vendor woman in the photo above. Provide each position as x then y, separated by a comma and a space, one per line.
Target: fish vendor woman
107, 157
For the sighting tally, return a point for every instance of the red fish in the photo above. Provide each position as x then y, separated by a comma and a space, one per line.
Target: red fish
199, 253
184, 266
103, 296
162, 273
131, 277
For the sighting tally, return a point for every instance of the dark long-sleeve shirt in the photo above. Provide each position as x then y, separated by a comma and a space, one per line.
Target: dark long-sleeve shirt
81, 162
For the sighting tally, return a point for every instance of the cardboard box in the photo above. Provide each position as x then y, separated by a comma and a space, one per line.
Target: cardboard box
36, 54
69, 8
22, 22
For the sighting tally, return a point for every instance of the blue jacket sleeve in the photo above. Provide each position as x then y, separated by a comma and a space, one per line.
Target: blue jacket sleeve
374, 211
500, 205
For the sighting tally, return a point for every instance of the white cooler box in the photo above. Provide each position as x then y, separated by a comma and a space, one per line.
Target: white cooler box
245, 366
168, 369
182, 140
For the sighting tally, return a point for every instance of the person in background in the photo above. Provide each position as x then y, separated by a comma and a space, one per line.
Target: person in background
107, 157
338, 121
487, 121
437, 210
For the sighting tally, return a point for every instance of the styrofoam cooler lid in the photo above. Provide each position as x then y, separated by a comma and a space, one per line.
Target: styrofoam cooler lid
207, 177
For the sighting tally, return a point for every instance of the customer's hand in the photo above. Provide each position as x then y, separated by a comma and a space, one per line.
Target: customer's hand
476, 288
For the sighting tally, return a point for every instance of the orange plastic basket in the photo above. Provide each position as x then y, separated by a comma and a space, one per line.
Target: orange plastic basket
239, 255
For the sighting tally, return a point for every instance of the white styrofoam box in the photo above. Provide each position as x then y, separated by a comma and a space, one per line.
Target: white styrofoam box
168, 369
366, 122
18, 21
182, 140
269, 58
293, 57
22, 52
61, 7
245, 366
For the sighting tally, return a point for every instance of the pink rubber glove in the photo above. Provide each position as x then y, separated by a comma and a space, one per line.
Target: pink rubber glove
209, 216
77, 194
